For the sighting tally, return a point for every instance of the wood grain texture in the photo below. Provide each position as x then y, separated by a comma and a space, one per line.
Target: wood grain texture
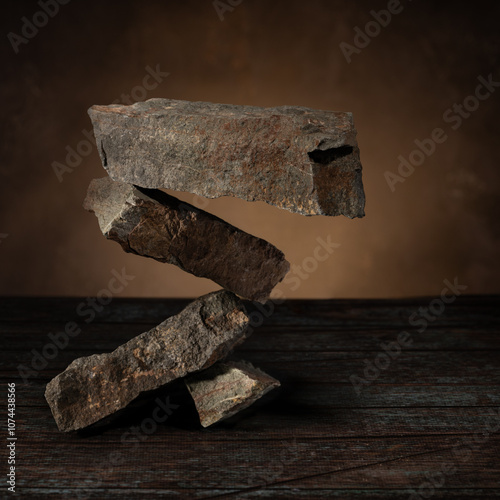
436, 405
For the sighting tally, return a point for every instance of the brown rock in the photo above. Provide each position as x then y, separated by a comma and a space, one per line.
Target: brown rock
226, 388
94, 387
303, 160
153, 224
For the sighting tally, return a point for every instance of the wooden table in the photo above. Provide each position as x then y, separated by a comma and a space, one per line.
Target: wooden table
427, 425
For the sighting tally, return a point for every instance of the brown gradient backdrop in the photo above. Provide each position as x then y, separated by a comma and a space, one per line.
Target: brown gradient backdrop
441, 223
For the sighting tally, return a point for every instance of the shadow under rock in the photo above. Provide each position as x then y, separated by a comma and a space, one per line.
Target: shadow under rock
172, 399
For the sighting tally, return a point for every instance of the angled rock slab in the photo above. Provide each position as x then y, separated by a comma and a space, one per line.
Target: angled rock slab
226, 388
96, 386
299, 159
154, 224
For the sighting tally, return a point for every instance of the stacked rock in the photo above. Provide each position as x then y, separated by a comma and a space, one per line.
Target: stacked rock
295, 158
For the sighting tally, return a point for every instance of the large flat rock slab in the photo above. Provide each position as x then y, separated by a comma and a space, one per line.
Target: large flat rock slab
96, 386
299, 159
154, 224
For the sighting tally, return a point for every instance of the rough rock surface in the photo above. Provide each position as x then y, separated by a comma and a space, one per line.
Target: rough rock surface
226, 388
153, 224
299, 159
96, 386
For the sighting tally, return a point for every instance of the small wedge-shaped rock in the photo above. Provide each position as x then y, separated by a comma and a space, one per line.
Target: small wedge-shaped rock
299, 159
154, 224
226, 388
94, 387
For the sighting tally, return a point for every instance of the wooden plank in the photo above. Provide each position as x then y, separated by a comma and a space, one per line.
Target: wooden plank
326, 463
411, 368
470, 311
103, 337
468, 464
258, 492
261, 422
333, 396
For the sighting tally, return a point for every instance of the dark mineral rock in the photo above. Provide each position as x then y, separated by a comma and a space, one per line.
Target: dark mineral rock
96, 386
226, 388
153, 224
299, 159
